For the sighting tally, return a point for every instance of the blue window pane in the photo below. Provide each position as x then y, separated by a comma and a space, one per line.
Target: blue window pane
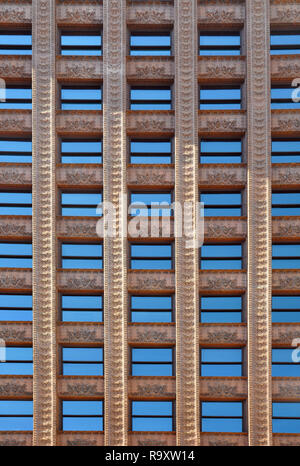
219, 44
281, 98
230, 409
151, 309
150, 45
151, 204
220, 98
285, 43
15, 203
15, 44
83, 361
286, 417
15, 151
82, 256
286, 308
17, 98
88, 151
82, 309
150, 152
221, 309
220, 151
152, 408
15, 255
15, 307
286, 151
81, 99
152, 425
81, 204
88, 45
150, 99
222, 425
16, 415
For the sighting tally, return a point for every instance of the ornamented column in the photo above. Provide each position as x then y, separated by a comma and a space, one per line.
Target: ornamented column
115, 256
259, 222
43, 219
186, 191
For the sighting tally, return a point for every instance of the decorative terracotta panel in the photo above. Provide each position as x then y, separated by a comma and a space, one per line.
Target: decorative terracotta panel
220, 13
219, 70
75, 69
220, 123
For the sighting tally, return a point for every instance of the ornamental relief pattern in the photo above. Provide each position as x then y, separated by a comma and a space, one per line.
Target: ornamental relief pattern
222, 68
289, 13
259, 224
11, 14
15, 175
79, 122
16, 67
222, 122
79, 68
12, 121
221, 12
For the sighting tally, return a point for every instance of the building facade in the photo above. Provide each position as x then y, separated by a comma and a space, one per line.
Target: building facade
216, 136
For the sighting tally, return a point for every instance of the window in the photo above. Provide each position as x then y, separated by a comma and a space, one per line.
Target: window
16, 415
152, 361
14, 307
18, 361
15, 203
151, 204
221, 257
17, 97
151, 256
221, 362
150, 98
82, 361
222, 204
283, 364
221, 309
285, 204
82, 415
15, 43
81, 98
286, 309
281, 98
220, 43
220, 98
81, 151
154, 44
86, 43
150, 416
151, 151
14, 255
285, 43
286, 256
220, 151
82, 256
81, 204
285, 151
82, 308
151, 308
15, 150
223, 416
286, 418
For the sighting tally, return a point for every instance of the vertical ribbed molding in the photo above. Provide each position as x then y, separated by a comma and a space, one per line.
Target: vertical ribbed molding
259, 223
43, 222
115, 248
186, 191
